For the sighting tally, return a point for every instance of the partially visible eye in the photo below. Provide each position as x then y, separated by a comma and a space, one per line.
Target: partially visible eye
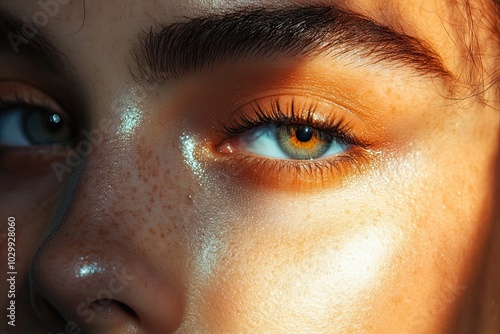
296, 142
22, 125
29, 117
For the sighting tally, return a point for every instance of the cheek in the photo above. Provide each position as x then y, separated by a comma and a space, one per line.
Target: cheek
302, 280
355, 259
286, 263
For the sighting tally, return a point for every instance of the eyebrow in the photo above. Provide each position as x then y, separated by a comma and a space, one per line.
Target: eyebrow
176, 49
36, 47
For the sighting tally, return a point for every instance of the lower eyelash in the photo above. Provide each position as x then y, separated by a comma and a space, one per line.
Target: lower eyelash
299, 175
336, 127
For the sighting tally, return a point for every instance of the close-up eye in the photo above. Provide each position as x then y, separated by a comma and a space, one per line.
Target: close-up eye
290, 129
289, 140
296, 142
29, 118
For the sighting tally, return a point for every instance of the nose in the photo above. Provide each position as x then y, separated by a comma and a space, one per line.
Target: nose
104, 269
96, 294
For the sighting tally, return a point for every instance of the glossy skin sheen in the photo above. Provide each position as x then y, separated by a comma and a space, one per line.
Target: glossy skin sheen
186, 233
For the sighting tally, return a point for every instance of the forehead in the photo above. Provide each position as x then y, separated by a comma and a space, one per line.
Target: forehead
430, 20
389, 11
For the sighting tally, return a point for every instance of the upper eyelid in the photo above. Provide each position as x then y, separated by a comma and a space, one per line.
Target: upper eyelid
36, 97
27, 94
336, 125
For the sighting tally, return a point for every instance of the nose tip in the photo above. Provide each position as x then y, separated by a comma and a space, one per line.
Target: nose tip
92, 294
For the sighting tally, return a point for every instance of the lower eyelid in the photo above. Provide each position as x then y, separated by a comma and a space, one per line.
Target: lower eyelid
294, 175
31, 161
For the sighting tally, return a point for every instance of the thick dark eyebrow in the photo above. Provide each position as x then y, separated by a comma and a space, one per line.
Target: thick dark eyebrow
35, 47
179, 48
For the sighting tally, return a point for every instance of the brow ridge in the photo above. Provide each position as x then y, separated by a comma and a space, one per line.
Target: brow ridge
171, 51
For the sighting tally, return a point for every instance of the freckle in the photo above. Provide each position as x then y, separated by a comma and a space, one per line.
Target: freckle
162, 235
145, 155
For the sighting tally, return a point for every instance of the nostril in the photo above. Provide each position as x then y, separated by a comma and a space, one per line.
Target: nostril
127, 310
105, 313
102, 295
108, 313
110, 308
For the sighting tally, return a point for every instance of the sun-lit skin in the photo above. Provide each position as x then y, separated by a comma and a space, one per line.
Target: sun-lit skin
218, 241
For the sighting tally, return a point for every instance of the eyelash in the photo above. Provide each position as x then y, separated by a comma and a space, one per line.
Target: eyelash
26, 99
301, 172
337, 127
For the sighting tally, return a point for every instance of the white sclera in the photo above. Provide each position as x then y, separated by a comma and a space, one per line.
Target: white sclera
11, 128
263, 141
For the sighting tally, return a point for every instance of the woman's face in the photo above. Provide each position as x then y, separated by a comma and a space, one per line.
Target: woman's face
258, 168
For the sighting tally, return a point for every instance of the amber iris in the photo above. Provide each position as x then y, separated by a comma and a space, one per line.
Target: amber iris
303, 142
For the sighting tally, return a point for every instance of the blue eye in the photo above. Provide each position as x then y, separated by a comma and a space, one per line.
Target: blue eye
24, 126
297, 142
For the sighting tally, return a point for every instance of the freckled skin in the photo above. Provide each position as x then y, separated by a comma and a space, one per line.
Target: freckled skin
406, 243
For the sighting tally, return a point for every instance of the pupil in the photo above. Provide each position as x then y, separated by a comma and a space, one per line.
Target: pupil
54, 122
304, 134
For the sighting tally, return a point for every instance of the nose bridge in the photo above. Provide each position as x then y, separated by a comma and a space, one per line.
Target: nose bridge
99, 260
109, 199
126, 186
